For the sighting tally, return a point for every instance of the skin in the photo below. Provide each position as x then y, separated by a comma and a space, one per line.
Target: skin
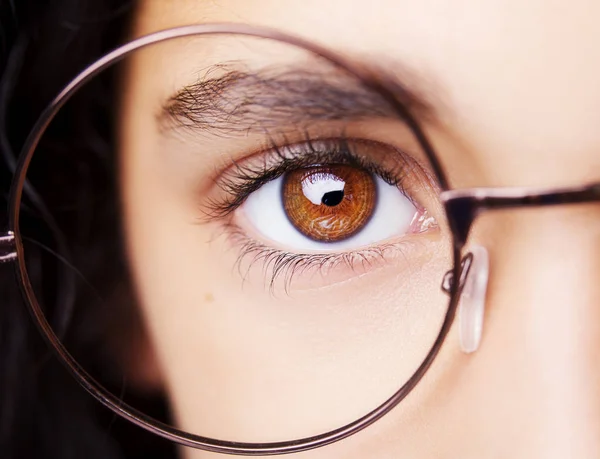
514, 85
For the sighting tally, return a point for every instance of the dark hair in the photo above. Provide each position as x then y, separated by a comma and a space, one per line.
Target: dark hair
43, 411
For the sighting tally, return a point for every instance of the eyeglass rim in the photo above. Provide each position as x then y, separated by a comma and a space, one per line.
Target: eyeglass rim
80, 374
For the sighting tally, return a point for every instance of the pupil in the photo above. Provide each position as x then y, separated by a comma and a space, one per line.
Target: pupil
333, 198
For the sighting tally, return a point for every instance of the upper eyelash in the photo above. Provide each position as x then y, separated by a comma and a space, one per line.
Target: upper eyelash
243, 179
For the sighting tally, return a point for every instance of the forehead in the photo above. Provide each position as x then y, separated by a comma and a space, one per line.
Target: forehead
512, 78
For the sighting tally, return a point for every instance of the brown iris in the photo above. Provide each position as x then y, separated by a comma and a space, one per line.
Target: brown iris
329, 203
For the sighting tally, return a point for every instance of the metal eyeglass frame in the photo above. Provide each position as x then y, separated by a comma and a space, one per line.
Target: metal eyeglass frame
462, 208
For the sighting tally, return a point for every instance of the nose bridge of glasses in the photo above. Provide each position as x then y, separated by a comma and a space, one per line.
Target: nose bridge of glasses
7, 247
463, 206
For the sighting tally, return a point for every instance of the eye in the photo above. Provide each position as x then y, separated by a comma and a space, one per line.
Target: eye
330, 207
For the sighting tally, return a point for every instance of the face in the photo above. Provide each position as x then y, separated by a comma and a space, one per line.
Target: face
288, 267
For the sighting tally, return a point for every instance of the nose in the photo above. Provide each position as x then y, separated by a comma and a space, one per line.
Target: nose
532, 390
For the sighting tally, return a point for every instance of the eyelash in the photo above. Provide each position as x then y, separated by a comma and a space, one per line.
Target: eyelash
243, 179
278, 264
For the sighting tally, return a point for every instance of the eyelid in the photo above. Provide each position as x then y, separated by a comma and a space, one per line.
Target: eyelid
245, 177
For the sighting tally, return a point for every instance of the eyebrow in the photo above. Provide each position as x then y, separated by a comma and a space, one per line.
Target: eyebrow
228, 100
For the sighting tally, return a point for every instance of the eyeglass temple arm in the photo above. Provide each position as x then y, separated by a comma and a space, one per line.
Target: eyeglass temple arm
463, 206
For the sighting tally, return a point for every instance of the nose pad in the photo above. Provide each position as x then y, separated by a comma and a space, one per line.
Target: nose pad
474, 274
471, 307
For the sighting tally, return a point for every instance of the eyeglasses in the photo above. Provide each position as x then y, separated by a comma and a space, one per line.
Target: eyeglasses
234, 196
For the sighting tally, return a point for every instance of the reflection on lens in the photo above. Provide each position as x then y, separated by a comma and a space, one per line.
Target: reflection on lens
238, 250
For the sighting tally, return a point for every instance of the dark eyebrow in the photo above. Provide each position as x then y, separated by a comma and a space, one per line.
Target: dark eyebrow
237, 100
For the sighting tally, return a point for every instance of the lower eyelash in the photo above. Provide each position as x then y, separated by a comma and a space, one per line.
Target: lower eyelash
285, 266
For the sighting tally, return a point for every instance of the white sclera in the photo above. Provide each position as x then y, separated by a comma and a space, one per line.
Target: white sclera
264, 209
471, 308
